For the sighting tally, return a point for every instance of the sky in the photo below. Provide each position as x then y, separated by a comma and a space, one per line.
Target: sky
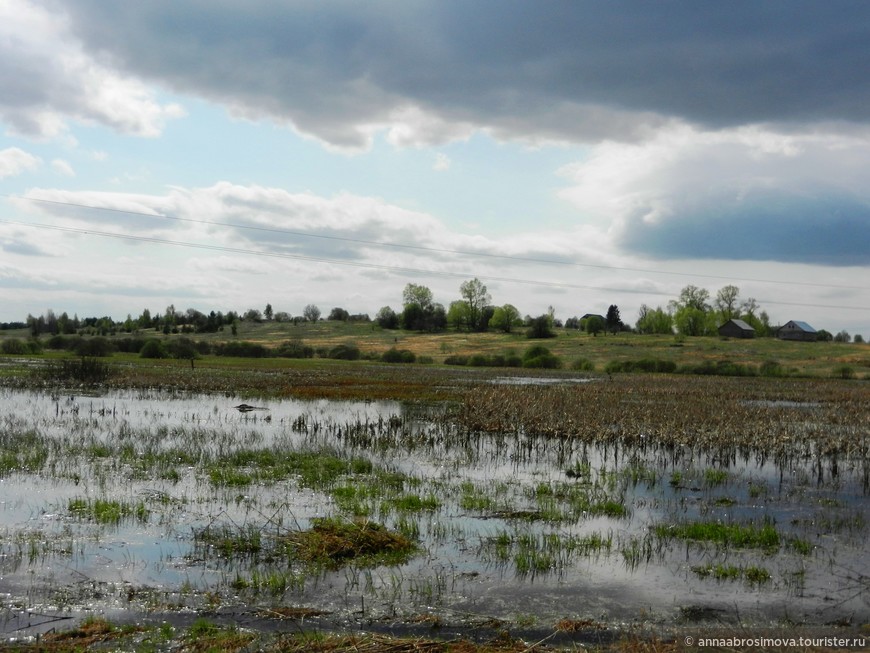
222, 155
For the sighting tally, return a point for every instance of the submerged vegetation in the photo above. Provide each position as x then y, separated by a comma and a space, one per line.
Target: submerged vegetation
470, 507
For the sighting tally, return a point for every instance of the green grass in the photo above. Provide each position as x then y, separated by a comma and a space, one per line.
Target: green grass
104, 511
817, 359
742, 536
752, 574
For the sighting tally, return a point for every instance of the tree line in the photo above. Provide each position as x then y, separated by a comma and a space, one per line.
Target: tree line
693, 313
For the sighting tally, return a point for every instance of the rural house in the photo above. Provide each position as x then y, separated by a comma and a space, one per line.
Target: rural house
796, 330
736, 329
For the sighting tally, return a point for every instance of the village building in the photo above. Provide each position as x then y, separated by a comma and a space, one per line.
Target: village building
796, 330
735, 328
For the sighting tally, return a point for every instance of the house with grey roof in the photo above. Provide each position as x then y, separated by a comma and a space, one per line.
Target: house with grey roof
796, 330
735, 328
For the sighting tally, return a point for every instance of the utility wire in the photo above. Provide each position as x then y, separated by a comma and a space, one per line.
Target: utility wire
423, 248
374, 266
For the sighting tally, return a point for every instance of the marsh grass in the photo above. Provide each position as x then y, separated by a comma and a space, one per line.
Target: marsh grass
204, 636
107, 511
752, 574
332, 541
318, 469
539, 553
329, 542
741, 536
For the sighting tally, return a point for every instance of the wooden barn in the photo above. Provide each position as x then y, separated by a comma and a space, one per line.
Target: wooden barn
796, 330
736, 329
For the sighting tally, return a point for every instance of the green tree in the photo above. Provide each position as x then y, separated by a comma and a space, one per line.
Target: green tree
417, 294
612, 319
475, 294
726, 302
655, 320
693, 297
387, 318
594, 325
541, 327
504, 318
459, 315
268, 312
311, 313
338, 315
691, 321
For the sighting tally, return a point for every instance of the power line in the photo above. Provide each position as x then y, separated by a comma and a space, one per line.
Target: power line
423, 248
374, 266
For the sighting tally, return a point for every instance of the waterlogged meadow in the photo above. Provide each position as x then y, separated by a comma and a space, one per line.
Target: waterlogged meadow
636, 500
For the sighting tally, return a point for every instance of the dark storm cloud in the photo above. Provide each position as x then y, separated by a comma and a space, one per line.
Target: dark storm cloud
821, 230
525, 69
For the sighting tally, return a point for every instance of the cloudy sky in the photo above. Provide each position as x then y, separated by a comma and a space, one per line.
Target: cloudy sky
220, 155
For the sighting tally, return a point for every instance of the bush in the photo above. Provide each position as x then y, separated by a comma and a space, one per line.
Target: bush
83, 370
540, 328
534, 351
20, 347
651, 365
130, 345
242, 349
182, 348
539, 356
772, 368
546, 361
153, 348
97, 346
456, 359
345, 352
295, 349
63, 342
394, 355
583, 365
844, 372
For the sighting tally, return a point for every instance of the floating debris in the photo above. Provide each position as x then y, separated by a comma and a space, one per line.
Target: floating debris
247, 408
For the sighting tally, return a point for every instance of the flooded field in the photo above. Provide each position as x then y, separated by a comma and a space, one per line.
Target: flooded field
522, 505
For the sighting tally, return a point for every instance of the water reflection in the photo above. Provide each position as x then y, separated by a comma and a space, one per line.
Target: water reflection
519, 524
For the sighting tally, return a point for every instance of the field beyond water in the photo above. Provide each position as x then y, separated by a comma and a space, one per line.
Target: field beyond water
362, 506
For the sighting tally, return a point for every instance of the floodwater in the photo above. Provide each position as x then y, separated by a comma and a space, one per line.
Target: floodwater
509, 536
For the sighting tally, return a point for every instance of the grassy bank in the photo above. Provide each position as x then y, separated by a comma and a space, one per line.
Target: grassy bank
573, 349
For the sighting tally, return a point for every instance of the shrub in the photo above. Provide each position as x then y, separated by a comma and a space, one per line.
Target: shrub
479, 360
540, 356
295, 349
456, 359
534, 351
345, 352
62, 342
394, 355
242, 349
14, 346
547, 361
772, 368
583, 365
130, 345
844, 372
540, 328
153, 348
182, 348
83, 370
97, 346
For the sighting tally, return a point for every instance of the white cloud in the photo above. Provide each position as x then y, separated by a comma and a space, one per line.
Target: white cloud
14, 161
63, 168
442, 162
693, 194
50, 79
